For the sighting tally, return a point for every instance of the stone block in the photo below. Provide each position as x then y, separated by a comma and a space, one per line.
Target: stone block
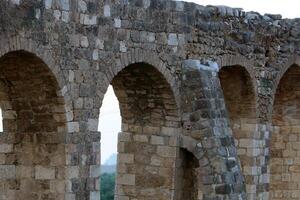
88, 19
7, 171
44, 172
117, 23
140, 138
95, 171
48, 4
24, 171
106, 11
57, 186
123, 47
6, 148
65, 16
124, 137
92, 124
70, 196
166, 151
73, 127
65, 4
84, 42
126, 179
94, 195
125, 158
57, 14
157, 140
72, 172
169, 131
172, 39
82, 6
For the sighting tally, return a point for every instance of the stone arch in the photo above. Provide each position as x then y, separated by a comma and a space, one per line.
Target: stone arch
160, 95
292, 60
238, 60
188, 175
190, 170
33, 142
205, 121
236, 80
139, 56
150, 125
240, 100
284, 142
19, 43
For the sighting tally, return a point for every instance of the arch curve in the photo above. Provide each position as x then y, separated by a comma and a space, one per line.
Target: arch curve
285, 134
150, 122
19, 43
35, 125
239, 60
292, 60
240, 98
140, 56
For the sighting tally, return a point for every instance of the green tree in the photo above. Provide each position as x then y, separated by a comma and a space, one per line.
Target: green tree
107, 186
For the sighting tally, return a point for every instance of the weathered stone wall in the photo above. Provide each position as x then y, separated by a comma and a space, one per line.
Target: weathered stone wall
240, 100
284, 160
188, 78
32, 144
150, 127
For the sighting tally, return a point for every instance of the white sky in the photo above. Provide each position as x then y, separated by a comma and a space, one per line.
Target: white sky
287, 8
109, 124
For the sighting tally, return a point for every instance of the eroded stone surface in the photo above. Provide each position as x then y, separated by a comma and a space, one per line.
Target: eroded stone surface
192, 81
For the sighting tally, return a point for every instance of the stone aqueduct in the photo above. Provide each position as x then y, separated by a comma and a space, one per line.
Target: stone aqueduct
209, 98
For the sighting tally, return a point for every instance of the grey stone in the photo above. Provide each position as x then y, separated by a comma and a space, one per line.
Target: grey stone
197, 87
172, 39
48, 4
82, 6
65, 5
107, 11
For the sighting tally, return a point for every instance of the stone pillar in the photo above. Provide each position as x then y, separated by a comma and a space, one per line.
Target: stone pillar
264, 129
238, 88
205, 120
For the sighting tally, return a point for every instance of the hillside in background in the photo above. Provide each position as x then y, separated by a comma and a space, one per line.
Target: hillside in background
109, 166
112, 160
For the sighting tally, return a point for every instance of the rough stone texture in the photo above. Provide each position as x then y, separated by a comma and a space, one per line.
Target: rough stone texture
284, 155
197, 88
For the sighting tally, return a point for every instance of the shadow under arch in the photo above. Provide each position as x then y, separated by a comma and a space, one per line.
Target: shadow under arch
189, 174
190, 170
34, 123
239, 91
285, 138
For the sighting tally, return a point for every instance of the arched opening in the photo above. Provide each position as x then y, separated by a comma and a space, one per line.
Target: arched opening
239, 96
285, 140
189, 184
32, 150
109, 126
146, 144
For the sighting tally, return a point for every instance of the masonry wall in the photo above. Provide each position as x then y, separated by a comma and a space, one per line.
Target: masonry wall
32, 143
70, 51
150, 126
284, 162
240, 101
